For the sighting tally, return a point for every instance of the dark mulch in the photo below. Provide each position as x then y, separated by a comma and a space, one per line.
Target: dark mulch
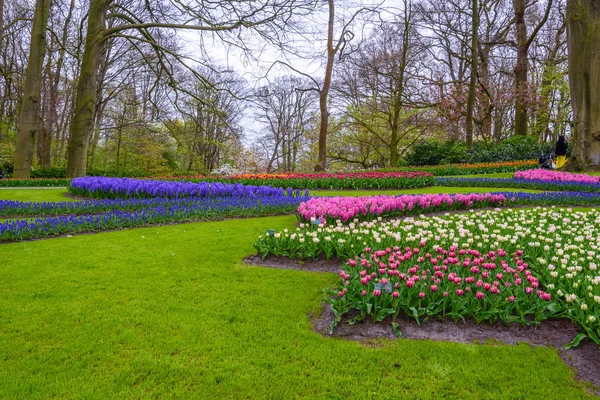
585, 359
318, 265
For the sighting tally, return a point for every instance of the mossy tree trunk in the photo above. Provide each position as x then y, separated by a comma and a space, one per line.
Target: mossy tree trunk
30, 107
82, 124
522, 91
473, 79
583, 35
324, 92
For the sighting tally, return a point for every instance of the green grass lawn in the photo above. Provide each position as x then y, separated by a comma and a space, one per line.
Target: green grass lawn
171, 312
24, 194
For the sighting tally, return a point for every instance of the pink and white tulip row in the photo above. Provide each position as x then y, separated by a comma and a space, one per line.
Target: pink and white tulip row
347, 208
555, 176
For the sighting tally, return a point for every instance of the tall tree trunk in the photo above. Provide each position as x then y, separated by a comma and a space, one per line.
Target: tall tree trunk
29, 115
54, 119
82, 124
324, 92
522, 66
46, 122
521, 69
1, 63
583, 36
473, 80
485, 97
397, 101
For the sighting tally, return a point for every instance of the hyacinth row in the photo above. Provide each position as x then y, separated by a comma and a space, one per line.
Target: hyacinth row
159, 211
556, 176
560, 246
346, 208
573, 186
450, 283
472, 169
114, 188
366, 208
21, 209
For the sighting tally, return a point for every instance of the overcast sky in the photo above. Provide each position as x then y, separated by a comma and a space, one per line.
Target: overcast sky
261, 66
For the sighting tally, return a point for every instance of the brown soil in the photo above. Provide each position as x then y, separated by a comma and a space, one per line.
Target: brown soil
318, 265
585, 359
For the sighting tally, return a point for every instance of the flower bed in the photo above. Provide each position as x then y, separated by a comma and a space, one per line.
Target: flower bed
561, 246
36, 182
112, 188
472, 169
133, 213
21, 209
519, 183
556, 176
346, 208
453, 283
341, 180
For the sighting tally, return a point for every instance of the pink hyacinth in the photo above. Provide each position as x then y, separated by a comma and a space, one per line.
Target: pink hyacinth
556, 176
347, 208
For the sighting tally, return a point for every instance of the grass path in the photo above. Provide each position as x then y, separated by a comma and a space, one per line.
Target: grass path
172, 312
427, 190
30, 194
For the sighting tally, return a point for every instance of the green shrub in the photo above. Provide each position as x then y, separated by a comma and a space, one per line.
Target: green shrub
513, 149
434, 152
516, 148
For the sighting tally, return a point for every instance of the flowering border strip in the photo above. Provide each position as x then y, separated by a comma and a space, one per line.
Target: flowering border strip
35, 182
471, 169
341, 180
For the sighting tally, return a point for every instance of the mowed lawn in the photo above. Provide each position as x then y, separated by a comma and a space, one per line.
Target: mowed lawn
172, 312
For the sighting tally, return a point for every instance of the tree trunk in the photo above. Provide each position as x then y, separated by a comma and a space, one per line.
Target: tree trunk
473, 80
521, 69
1, 63
485, 98
397, 101
30, 108
583, 35
324, 92
46, 121
82, 124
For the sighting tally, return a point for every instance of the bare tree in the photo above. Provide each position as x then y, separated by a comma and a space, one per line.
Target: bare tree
285, 108
523, 43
